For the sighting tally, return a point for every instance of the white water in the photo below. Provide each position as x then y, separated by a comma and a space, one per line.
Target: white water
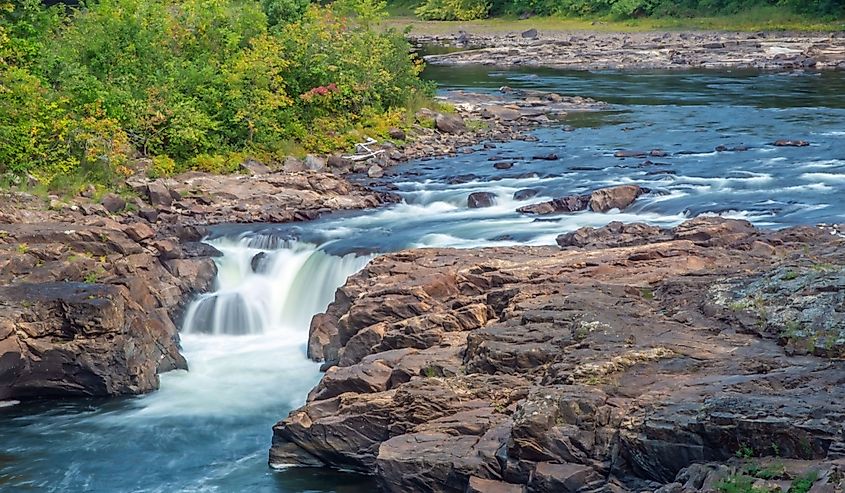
246, 338
262, 288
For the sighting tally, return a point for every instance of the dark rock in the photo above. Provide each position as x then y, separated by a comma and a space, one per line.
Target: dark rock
572, 203
339, 163
503, 165
525, 193
530, 34
159, 194
139, 231
113, 203
477, 200
150, 215
790, 143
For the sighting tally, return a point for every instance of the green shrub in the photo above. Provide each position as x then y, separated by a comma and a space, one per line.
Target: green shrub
195, 83
454, 10
284, 11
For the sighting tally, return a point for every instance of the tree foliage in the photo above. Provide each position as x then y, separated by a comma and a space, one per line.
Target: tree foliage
193, 83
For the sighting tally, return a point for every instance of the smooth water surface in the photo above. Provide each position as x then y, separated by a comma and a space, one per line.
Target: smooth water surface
208, 430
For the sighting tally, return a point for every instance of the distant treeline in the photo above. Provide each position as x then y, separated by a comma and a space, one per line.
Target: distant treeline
621, 9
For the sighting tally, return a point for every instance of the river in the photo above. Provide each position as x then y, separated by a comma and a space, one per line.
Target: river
209, 429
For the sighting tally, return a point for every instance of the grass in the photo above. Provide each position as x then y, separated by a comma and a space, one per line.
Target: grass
752, 20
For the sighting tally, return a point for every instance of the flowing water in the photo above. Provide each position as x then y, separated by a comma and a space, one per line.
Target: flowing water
208, 430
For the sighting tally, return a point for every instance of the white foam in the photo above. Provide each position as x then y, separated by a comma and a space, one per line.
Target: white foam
824, 177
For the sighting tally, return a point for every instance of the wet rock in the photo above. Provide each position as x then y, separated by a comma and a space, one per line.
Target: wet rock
72, 339
546, 157
503, 165
449, 124
619, 197
530, 34
477, 200
626, 154
790, 143
525, 194
572, 203
113, 203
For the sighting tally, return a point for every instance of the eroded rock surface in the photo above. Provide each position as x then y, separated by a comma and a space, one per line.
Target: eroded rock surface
616, 363
90, 293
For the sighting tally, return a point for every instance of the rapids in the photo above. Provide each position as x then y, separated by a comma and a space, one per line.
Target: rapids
208, 429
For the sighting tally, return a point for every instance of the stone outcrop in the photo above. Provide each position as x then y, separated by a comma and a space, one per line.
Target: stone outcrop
90, 292
646, 50
632, 359
89, 309
601, 200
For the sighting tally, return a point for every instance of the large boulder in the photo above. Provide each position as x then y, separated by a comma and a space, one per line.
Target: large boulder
477, 200
619, 197
449, 124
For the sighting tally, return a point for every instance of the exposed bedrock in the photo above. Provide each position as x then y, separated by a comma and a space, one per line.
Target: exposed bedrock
634, 358
91, 291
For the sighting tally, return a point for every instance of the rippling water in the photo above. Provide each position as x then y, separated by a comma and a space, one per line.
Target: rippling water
209, 429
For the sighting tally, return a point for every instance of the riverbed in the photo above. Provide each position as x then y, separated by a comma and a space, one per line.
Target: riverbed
209, 429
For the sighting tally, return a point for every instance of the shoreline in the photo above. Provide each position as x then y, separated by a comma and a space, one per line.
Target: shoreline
670, 50
110, 261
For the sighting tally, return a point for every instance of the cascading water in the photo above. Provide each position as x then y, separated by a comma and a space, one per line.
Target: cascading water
265, 285
208, 429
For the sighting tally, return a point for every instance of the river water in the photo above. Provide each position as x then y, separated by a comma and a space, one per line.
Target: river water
209, 429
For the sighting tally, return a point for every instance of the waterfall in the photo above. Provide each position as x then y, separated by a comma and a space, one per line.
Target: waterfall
265, 284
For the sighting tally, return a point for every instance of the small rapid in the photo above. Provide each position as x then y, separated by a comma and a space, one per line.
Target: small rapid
266, 286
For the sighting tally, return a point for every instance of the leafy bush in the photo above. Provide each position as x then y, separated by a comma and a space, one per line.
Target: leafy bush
284, 11
452, 10
195, 83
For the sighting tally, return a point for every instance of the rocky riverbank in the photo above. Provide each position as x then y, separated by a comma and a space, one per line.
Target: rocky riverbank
92, 288
629, 358
642, 51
